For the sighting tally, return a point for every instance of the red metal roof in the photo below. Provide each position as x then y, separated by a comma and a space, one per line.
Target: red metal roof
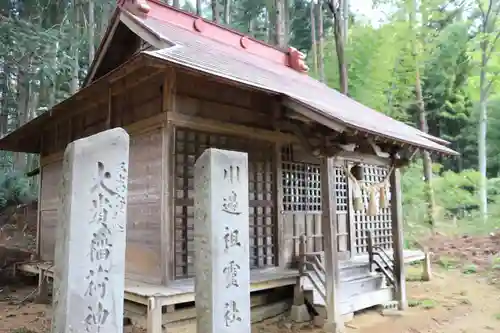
212, 57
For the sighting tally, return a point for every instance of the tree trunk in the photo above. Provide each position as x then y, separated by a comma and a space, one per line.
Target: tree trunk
198, 7
176, 4
321, 40
345, 19
4, 113
481, 144
286, 22
339, 45
104, 19
75, 48
313, 39
426, 158
227, 12
279, 33
427, 162
269, 24
91, 28
23, 99
53, 81
215, 11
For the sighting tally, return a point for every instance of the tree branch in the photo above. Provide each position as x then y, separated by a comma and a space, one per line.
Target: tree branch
496, 13
492, 46
486, 90
480, 6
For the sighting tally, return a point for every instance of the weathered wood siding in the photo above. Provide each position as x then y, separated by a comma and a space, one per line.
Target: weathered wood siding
128, 107
143, 212
49, 204
144, 207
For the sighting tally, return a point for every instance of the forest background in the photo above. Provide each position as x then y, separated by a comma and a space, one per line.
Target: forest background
433, 64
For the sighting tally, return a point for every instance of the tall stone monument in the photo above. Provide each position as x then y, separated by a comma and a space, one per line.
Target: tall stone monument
221, 235
90, 244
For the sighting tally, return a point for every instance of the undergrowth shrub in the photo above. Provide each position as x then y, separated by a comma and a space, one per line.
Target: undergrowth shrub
14, 189
456, 203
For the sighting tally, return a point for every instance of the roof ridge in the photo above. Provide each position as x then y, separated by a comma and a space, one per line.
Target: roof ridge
290, 56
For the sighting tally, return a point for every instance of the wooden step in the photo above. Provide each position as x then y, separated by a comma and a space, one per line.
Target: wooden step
366, 300
354, 286
356, 302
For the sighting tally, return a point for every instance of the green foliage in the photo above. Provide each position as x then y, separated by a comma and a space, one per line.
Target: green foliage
426, 304
456, 199
14, 189
22, 330
470, 269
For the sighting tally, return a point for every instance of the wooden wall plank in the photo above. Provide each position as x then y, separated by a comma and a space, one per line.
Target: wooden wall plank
143, 254
49, 202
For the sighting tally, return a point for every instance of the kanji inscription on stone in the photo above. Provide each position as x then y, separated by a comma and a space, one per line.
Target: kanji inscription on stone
90, 246
221, 234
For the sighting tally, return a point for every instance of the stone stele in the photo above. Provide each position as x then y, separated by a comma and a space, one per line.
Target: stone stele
221, 235
90, 244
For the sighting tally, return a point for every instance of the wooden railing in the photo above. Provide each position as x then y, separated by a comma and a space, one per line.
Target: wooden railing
381, 259
311, 267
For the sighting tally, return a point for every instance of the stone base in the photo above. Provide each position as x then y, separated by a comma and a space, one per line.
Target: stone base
334, 328
320, 321
392, 313
426, 268
299, 313
42, 296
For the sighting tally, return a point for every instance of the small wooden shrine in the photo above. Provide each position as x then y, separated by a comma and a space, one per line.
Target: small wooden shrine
324, 170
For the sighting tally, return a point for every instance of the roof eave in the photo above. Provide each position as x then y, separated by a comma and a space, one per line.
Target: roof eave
334, 124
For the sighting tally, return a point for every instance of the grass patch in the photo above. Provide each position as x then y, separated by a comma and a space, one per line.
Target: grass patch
425, 304
497, 316
470, 269
428, 304
414, 273
447, 262
413, 303
496, 264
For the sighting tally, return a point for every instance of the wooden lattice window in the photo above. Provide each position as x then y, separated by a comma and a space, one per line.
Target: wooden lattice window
380, 225
302, 198
341, 189
302, 185
189, 145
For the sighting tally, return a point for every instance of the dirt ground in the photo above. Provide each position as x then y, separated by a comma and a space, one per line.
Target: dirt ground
453, 302
463, 296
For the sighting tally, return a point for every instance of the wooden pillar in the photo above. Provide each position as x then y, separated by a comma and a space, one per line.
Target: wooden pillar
154, 316
397, 238
167, 194
281, 250
334, 322
39, 208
